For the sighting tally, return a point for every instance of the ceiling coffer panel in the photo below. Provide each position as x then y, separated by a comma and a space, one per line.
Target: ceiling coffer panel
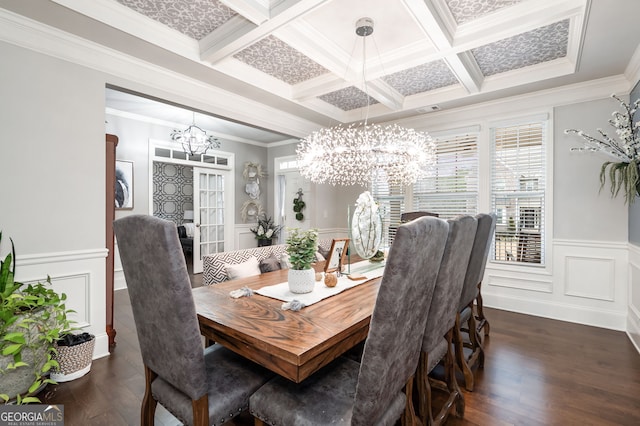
530, 48
194, 18
276, 58
468, 10
422, 78
348, 98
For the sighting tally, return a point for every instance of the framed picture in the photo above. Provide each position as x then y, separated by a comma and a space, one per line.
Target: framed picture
124, 185
336, 255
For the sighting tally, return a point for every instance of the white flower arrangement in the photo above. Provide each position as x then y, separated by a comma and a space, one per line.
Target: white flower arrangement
625, 150
265, 228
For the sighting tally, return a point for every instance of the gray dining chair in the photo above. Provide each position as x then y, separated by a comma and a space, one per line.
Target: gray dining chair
466, 317
371, 392
438, 334
198, 386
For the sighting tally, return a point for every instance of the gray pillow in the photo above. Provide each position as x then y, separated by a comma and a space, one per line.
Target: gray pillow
269, 264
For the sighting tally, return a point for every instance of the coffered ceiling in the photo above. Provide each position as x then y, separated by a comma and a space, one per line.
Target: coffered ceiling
424, 55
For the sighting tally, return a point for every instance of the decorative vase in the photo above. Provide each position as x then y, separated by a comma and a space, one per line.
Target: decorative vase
366, 226
302, 280
264, 242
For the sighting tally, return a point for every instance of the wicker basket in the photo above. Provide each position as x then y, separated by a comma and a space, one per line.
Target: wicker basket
75, 361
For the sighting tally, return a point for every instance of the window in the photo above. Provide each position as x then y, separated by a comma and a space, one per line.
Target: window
390, 199
518, 192
451, 188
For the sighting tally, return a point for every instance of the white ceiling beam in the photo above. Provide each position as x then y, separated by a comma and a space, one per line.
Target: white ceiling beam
383, 93
514, 20
432, 21
220, 45
255, 11
466, 69
127, 20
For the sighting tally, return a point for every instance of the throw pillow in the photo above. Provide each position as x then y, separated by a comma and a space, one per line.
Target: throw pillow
284, 261
323, 251
245, 269
269, 264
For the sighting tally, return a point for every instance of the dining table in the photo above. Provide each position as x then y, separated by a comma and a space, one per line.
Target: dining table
293, 344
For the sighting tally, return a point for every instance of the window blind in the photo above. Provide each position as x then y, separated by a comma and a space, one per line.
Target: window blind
518, 192
451, 187
390, 199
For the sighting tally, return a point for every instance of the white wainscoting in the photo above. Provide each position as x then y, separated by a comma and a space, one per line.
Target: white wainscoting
244, 238
586, 282
81, 276
633, 310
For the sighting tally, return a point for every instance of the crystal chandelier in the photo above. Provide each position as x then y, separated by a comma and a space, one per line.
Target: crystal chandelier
356, 154
194, 140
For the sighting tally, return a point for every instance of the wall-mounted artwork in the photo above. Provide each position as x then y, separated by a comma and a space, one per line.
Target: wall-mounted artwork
124, 185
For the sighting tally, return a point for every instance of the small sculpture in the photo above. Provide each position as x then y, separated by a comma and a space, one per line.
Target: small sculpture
330, 280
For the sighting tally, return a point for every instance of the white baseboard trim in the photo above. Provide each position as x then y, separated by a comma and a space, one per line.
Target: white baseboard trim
119, 283
101, 348
559, 311
633, 327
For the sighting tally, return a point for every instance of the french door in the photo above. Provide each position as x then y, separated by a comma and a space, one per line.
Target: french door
213, 213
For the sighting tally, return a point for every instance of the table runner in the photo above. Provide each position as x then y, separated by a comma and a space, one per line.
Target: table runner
320, 291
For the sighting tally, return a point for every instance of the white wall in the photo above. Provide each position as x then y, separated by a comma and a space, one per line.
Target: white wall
52, 168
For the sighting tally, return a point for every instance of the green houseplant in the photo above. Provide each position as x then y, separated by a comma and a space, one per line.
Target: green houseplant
32, 318
301, 248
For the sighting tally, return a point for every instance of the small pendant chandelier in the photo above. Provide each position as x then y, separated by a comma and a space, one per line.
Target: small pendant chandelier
358, 153
194, 140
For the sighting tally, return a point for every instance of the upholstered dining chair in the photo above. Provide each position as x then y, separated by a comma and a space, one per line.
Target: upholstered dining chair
409, 216
371, 392
199, 387
465, 317
438, 334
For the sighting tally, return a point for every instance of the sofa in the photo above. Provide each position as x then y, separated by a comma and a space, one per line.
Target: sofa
215, 265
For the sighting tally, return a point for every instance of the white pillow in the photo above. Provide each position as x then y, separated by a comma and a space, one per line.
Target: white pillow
189, 228
245, 269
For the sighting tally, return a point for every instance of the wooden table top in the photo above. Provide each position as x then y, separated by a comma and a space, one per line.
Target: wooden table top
292, 344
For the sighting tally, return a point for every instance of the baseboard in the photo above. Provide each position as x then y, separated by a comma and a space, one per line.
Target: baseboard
633, 327
559, 311
101, 348
119, 282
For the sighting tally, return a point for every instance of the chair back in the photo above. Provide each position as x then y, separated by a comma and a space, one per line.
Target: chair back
409, 216
162, 302
392, 347
453, 268
478, 259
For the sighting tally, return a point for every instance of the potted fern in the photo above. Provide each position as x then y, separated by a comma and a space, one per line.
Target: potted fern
32, 318
301, 248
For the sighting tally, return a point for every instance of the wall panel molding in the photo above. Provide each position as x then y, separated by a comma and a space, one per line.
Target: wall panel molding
587, 284
81, 276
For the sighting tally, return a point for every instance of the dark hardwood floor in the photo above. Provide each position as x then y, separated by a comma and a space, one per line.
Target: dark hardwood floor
537, 372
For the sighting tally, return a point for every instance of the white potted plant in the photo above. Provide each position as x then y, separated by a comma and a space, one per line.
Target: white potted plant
301, 248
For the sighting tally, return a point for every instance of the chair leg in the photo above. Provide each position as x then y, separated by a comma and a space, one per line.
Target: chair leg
477, 354
461, 360
450, 385
258, 422
424, 389
409, 417
148, 409
200, 409
482, 320
455, 395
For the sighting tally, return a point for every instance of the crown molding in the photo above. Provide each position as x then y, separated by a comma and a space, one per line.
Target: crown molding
32, 35
565, 95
